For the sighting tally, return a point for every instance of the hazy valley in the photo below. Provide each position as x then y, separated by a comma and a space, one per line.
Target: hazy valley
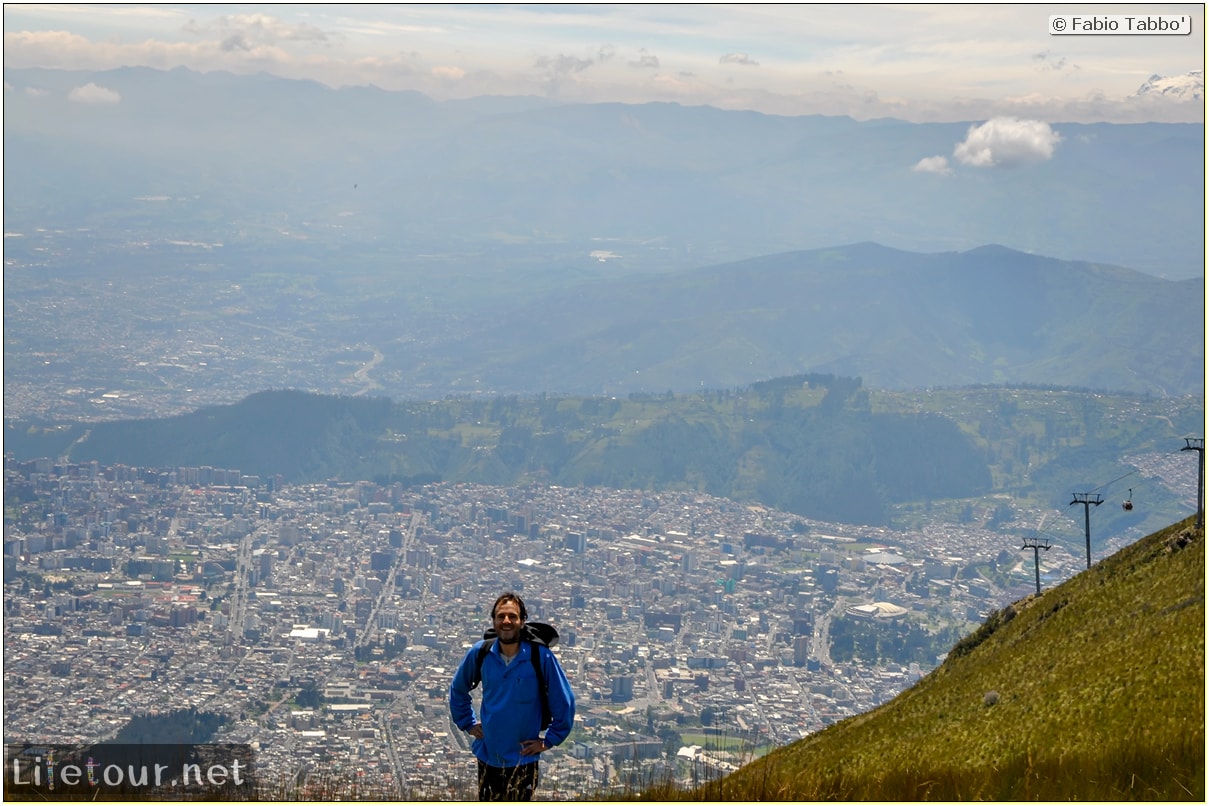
97, 330
703, 384
220, 158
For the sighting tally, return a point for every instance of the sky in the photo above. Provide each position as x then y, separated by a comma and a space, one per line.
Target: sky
921, 63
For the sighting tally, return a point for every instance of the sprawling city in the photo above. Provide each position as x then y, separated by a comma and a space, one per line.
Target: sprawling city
323, 622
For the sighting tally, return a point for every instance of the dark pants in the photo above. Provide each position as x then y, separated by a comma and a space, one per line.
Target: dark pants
508, 783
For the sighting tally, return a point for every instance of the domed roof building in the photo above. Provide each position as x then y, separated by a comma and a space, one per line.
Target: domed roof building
880, 611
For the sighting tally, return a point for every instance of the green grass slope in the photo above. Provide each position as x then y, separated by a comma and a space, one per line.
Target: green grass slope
1094, 690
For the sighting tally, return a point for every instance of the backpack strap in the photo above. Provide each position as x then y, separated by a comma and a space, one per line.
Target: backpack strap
483, 649
543, 689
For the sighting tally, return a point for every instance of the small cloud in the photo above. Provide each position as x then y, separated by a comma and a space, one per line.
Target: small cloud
34, 92
1046, 61
738, 58
256, 29
563, 67
92, 94
1007, 142
448, 73
234, 42
932, 165
645, 59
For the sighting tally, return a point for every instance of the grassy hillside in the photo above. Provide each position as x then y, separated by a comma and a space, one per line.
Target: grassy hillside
1094, 690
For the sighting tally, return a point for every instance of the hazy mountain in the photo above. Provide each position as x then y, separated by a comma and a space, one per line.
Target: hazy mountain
704, 185
96, 330
896, 319
177, 239
1188, 87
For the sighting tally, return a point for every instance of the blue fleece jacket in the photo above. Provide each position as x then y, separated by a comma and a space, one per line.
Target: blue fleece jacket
511, 709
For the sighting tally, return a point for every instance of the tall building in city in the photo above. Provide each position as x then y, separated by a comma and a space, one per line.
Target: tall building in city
576, 541
801, 649
623, 688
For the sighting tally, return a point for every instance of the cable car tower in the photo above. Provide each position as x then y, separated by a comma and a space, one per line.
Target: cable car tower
1087, 500
1036, 545
1198, 445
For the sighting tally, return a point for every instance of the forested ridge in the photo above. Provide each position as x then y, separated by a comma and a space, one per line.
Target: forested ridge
817, 445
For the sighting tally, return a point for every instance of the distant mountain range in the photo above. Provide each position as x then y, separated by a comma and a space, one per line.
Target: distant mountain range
381, 242
1188, 87
895, 319
177, 328
247, 158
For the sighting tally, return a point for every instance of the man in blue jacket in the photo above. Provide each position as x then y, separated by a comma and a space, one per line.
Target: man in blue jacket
507, 730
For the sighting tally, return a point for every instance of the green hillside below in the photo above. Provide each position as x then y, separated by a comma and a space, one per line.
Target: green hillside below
1094, 690
819, 446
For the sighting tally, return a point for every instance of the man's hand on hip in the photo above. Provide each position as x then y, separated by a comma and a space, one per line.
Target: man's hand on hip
531, 747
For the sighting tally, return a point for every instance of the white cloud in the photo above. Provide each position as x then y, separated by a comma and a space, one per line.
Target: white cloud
1048, 61
448, 73
1007, 142
564, 68
67, 51
257, 28
91, 93
931, 62
932, 165
645, 59
684, 86
738, 58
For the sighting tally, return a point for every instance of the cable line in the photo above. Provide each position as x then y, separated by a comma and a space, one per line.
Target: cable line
1114, 481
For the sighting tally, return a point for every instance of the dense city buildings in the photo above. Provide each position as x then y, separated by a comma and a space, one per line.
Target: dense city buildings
324, 621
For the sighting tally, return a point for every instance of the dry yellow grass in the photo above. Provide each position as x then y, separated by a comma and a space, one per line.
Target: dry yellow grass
1094, 690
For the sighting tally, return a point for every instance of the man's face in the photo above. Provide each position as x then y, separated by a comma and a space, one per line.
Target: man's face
507, 622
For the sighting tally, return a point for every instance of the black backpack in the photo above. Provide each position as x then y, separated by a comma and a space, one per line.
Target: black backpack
536, 633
